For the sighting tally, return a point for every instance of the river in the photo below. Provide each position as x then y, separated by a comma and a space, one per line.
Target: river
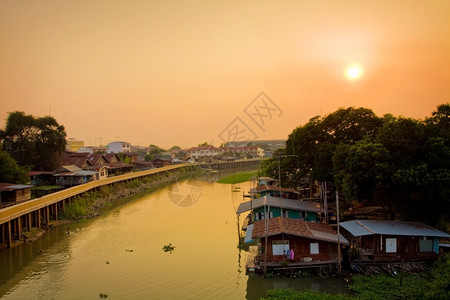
119, 254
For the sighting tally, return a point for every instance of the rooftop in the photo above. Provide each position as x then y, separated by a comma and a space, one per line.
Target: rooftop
278, 202
262, 188
368, 227
297, 227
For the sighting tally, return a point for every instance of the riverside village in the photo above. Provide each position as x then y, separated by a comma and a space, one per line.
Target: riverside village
299, 214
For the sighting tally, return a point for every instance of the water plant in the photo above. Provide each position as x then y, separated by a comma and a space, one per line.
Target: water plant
168, 248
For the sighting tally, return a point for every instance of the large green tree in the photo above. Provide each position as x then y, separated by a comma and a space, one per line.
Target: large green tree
10, 172
36, 142
310, 148
400, 163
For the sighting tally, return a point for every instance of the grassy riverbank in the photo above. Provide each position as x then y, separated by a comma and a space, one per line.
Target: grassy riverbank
238, 177
434, 285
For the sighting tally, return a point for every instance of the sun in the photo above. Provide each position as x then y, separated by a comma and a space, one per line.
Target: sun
354, 72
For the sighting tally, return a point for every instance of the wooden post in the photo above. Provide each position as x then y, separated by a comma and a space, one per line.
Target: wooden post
266, 228
47, 215
38, 225
56, 211
19, 227
338, 232
30, 222
8, 233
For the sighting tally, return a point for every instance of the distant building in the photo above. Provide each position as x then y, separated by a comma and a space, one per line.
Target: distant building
211, 151
74, 145
119, 147
252, 151
162, 161
203, 151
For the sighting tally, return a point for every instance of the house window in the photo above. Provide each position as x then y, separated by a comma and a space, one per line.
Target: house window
260, 215
426, 245
279, 247
314, 248
391, 245
286, 213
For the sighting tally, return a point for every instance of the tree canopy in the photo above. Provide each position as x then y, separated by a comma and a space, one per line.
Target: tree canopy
35, 142
10, 172
400, 163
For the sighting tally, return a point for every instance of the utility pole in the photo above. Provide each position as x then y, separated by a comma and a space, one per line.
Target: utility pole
338, 234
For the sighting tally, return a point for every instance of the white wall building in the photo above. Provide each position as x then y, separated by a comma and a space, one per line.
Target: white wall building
118, 147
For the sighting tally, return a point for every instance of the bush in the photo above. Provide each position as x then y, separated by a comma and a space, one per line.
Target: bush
288, 294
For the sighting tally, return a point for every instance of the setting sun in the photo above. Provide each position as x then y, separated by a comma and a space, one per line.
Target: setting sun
353, 72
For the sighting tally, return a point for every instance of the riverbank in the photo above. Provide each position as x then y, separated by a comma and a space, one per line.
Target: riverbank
94, 203
431, 285
238, 177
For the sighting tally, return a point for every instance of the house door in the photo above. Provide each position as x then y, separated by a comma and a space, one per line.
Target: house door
391, 245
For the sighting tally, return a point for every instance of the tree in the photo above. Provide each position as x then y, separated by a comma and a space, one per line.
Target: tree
37, 142
154, 150
10, 172
174, 148
360, 168
314, 143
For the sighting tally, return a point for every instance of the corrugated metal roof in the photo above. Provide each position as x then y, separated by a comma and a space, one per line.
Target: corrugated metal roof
7, 187
20, 186
278, 202
77, 173
368, 227
262, 188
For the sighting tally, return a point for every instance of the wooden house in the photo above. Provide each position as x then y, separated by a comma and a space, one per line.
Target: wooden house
312, 243
116, 166
378, 241
41, 178
68, 176
14, 193
275, 207
162, 161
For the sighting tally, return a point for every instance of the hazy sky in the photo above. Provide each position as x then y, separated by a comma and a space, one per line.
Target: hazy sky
187, 72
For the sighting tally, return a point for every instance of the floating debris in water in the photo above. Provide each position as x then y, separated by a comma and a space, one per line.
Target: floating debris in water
129, 250
102, 295
107, 262
168, 248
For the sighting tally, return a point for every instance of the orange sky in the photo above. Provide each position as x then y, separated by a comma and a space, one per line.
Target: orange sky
181, 72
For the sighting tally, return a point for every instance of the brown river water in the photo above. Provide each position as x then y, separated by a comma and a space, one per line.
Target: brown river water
120, 252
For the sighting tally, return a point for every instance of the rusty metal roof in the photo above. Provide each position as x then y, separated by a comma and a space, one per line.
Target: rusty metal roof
297, 227
368, 227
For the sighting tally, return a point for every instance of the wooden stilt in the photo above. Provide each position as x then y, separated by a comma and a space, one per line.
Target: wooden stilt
9, 237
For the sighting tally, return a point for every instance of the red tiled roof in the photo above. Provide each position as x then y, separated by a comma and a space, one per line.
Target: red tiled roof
34, 173
111, 157
75, 158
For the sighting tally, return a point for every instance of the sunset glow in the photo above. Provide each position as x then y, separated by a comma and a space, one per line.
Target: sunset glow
178, 73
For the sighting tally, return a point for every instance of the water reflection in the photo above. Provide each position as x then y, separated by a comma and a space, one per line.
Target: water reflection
95, 256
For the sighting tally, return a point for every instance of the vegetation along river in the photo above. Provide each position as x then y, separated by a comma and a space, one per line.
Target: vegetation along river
119, 254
